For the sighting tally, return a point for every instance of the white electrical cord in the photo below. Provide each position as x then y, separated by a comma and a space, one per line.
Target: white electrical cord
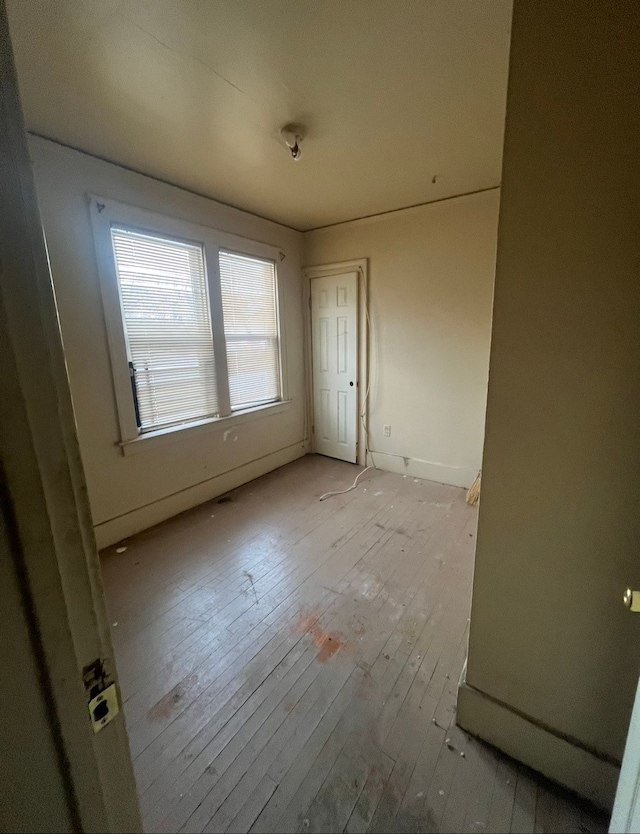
348, 489
365, 401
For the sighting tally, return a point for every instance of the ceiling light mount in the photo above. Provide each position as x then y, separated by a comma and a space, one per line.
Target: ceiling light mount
292, 135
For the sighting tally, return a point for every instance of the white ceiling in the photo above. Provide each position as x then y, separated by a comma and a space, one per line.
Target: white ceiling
393, 93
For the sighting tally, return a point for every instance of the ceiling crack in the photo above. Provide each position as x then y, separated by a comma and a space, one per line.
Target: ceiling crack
192, 57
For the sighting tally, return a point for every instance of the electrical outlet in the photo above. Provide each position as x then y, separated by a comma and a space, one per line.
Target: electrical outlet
386, 430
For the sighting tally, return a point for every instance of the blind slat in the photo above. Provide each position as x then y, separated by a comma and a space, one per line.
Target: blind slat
167, 321
165, 308
251, 329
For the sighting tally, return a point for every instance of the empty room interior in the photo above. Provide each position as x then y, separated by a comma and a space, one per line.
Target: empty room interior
344, 304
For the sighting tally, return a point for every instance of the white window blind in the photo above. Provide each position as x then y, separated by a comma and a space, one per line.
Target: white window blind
165, 307
251, 329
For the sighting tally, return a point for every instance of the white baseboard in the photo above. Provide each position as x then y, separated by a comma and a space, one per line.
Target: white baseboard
110, 532
538, 747
439, 472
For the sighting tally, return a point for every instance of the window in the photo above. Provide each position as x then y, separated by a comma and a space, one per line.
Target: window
192, 318
250, 329
165, 308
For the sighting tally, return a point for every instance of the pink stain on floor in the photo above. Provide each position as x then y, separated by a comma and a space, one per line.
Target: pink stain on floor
327, 642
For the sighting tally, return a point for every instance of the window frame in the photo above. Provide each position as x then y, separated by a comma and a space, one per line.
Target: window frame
250, 407
105, 214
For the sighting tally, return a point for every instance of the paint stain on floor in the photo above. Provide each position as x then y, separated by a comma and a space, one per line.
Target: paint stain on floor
327, 642
165, 707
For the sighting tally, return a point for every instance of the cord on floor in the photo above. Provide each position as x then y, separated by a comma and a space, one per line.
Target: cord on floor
353, 485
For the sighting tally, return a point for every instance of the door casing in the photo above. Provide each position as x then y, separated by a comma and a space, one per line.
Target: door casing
51, 544
360, 266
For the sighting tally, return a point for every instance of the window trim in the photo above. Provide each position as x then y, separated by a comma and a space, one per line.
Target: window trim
161, 437
106, 213
281, 376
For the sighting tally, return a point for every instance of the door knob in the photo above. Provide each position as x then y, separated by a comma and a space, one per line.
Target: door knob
632, 600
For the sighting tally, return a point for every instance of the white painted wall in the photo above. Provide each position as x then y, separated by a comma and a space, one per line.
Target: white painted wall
553, 654
431, 275
130, 493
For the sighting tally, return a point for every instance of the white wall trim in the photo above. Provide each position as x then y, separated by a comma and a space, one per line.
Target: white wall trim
538, 747
116, 529
199, 194
428, 470
370, 218
45, 505
361, 266
105, 213
173, 434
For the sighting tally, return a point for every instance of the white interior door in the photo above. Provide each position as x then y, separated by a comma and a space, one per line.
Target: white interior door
334, 323
626, 810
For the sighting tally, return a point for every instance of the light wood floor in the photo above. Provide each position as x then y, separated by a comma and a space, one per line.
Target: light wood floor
291, 665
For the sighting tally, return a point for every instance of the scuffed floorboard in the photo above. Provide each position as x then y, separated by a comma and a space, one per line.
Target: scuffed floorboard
291, 665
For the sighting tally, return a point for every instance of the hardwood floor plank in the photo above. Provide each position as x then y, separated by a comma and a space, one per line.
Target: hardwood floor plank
200, 735
503, 796
193, 730
334, 801
353, 718
289, 737
290, 780
204, 768
380, 766
246, 816
484, 760
523, 818
288, 664
340, 621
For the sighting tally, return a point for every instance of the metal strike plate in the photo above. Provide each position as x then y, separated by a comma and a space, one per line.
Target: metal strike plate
632, 600
104, 708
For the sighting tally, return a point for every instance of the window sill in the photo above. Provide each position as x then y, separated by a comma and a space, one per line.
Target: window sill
150, 440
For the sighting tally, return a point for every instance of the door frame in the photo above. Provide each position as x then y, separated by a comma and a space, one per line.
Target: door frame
626, 808
52, 546
361, 267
